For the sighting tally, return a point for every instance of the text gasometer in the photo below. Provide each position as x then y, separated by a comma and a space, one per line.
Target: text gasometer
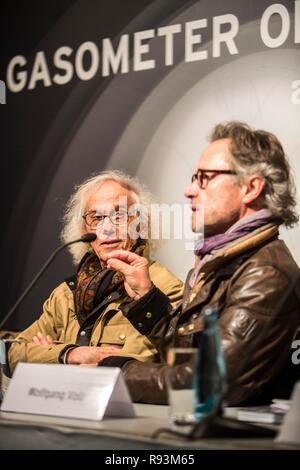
112, 57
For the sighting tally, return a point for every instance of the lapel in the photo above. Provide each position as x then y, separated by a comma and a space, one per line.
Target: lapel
214, 274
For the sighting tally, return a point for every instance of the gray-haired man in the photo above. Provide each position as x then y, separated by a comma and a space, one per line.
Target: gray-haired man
243, 183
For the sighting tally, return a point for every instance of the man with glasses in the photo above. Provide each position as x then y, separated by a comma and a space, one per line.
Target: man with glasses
243, 185
82, 321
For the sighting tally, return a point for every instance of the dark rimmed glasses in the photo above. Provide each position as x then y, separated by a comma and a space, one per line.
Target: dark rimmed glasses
95, 220
203, 177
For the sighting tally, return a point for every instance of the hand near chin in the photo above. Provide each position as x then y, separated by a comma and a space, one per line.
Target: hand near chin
135, 270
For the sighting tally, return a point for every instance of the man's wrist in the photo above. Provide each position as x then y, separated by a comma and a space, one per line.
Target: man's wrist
63, 356
144, 291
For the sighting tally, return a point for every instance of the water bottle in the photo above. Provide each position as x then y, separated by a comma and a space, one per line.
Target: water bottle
210, 377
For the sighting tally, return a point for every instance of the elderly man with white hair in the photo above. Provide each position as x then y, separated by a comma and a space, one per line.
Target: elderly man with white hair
82, 321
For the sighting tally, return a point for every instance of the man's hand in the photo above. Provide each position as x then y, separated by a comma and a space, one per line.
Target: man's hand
135, 269
90, 354
39, 338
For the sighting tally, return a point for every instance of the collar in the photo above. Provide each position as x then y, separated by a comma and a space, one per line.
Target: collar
238, 247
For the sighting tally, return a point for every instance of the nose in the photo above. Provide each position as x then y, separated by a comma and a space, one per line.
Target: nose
192, 190
107, 227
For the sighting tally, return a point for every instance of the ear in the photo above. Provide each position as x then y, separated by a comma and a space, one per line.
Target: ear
253, 188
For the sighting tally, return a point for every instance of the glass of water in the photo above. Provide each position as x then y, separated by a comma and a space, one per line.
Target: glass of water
182, 368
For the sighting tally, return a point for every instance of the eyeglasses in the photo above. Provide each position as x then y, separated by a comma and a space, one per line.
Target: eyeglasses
203, 177
95, 220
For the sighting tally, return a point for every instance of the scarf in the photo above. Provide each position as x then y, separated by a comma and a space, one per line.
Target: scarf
241, 228
95, 282
238, 230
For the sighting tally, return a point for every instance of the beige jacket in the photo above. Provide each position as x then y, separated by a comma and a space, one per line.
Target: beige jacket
59, 321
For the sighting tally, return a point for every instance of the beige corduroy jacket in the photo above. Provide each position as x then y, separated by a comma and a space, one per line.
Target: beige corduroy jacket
59, 321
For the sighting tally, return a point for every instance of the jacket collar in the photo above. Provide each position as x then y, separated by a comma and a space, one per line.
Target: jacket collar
238, 247
222, 259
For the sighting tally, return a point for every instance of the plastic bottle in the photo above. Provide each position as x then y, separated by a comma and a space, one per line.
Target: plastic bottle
210, 377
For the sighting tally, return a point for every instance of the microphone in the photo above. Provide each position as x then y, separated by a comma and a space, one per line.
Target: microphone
87, 238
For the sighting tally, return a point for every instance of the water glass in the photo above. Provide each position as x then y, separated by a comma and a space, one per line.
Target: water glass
182, 364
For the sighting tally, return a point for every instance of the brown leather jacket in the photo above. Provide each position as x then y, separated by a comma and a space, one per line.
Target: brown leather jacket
255, 285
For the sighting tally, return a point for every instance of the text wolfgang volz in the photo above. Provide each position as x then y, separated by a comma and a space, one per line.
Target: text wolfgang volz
47, 394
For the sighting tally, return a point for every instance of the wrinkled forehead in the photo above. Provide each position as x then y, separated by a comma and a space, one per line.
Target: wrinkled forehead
109, 196
109, 207
216, 155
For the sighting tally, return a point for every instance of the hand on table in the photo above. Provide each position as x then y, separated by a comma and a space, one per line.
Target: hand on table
90, 354
82, 355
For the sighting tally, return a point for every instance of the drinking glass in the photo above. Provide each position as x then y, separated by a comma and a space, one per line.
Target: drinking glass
182, 364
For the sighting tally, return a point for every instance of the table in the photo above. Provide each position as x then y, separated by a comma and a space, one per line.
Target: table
19, 431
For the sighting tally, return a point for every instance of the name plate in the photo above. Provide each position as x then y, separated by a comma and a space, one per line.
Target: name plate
290, 429
68, 391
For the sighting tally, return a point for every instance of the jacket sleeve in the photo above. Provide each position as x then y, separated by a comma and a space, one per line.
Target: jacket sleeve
167, 283
154, 317
50, 323
147, 383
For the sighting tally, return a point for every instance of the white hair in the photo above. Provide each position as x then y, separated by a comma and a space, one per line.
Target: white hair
74, 225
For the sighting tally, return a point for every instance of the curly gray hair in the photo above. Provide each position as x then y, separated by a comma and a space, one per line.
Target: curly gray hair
74, 226
260, 152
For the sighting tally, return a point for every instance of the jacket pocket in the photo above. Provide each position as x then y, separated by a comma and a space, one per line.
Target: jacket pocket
242, 324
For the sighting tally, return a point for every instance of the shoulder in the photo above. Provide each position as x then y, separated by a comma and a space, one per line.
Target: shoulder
61, 292
162, 277
274, 256
266, 276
